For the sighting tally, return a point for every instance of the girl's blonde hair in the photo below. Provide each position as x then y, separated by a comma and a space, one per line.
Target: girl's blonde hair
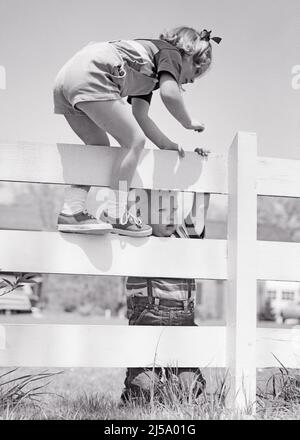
190, 42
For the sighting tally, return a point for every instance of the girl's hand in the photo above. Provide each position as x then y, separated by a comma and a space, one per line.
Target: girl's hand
175, 147
202, 152
195, 125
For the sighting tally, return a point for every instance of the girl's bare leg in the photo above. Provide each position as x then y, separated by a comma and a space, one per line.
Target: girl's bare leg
115, 117
72, 217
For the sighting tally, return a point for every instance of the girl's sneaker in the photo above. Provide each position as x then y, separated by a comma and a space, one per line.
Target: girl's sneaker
82, 223
128, 224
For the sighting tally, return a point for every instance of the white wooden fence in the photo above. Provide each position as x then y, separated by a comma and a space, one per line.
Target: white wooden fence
240, 346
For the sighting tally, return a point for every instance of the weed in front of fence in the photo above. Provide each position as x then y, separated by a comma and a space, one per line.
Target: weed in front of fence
280, 399
16, 391
170, 403
281, 394
31, 396
7, 286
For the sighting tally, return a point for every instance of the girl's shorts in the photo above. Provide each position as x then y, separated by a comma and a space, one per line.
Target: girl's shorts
92, 74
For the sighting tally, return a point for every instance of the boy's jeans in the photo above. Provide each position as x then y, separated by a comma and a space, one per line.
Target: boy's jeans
142, 383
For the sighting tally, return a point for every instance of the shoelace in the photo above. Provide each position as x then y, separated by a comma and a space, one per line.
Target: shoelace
129, 217
89, 216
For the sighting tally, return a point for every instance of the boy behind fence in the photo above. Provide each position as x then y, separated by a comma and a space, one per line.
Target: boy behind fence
166, 302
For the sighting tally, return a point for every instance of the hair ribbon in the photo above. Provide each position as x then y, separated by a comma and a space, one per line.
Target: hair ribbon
205, 35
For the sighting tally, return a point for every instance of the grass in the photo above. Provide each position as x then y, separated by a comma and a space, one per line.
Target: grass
280, 397
93, 394
17, 391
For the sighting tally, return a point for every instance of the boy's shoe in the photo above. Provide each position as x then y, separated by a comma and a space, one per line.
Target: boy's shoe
82, 223
128, 224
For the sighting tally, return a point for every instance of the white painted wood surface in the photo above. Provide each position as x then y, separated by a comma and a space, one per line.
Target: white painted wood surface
67, 164
53, 252
283, 344
278, 177
92, 165
58, 345
278, 261
111, 346
241, 294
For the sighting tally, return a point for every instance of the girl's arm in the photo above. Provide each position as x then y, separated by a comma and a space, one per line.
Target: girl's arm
171, 97
140, 110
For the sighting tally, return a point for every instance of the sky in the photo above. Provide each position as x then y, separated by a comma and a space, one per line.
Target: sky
249, 86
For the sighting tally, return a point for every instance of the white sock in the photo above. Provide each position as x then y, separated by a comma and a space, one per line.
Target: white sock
117, 205
75, 199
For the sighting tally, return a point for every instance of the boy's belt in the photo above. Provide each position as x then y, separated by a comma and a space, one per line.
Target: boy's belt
180, 304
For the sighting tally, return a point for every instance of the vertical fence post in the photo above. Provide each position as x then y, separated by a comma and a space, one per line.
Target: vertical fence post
241, 295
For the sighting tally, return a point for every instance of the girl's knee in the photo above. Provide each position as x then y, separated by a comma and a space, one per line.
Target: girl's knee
138, 144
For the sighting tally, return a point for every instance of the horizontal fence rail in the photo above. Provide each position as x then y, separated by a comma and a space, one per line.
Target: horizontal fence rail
54, 252
55, 345
67, 164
